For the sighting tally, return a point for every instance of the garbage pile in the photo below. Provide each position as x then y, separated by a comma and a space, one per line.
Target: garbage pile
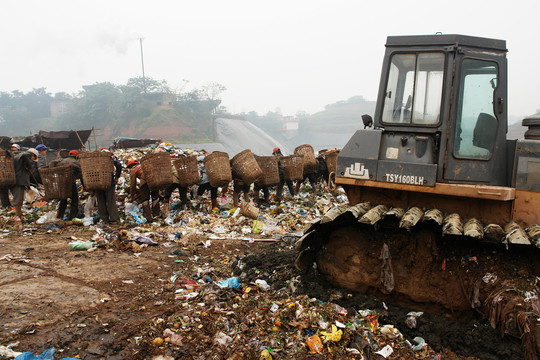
234, 306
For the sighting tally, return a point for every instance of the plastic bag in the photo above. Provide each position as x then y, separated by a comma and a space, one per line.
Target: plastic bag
46, 218
82, 245
31, 195
131, 206
334, 336
232, 282
46, 355
262, 284
257, 226
411, 319
314, 343
90, 206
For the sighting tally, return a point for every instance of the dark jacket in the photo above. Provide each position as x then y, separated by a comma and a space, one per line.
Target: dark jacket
118, 170
23, 167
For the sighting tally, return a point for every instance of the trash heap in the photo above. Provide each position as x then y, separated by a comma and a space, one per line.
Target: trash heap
235, 306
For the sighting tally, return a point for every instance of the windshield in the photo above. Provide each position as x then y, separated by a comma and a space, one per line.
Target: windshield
414, 89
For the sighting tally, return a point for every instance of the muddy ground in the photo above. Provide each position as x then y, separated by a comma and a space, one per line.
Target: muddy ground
114, 302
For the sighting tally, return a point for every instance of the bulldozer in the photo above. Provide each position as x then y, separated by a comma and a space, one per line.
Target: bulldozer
442, 208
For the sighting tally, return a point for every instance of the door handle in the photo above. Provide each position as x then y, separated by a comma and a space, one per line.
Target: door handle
500, 105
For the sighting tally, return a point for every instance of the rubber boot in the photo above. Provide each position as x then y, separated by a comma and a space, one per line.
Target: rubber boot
214, 203
235, 197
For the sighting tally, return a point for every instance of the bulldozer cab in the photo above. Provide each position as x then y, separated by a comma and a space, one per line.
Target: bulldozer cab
440, 114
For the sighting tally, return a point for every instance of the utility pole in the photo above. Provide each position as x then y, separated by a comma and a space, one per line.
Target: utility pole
142, 63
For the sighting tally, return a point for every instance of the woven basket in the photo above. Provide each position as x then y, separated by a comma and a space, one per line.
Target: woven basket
293, 167
97, 168
218, 169
57, 181
310, 162
244, 165
249, 210
7, 170
157, 170
188, 172
270, 170
331, 160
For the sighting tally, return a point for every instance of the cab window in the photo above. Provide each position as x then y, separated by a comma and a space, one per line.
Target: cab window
414, 89
476, 123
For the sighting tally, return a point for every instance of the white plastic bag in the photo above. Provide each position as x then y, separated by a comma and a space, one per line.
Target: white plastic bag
46, 218
31, 195
90, 206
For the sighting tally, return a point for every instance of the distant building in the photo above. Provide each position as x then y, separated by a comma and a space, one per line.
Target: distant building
289, 126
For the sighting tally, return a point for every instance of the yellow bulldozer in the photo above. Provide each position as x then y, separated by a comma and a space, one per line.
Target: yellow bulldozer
443, 208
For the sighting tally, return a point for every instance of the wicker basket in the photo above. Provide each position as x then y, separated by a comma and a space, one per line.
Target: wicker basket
218, 169
7, 170
310, 162
157, 169
249, 210
97, 168
57, 181
244, 165
188, 171
293, 167
331, 160
270, 170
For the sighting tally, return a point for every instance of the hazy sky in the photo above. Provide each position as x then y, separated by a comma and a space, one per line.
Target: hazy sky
288, 55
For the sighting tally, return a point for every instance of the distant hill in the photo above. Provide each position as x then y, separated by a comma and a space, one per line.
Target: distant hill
342, 117
334, 126
516, 131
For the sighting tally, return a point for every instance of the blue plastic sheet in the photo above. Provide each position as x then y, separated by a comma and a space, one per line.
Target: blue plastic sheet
46, 355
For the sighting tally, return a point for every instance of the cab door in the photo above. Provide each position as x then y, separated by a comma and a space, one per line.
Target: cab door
476, 151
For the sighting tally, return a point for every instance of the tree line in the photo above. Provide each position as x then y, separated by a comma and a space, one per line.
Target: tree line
102, 104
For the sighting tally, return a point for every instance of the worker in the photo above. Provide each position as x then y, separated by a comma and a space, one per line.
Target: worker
73, 161
14, 148
106, 199
42, 158
4, 192
141, 193
279, 187
205, 184
23, 163
256, 193
182, 191
42, 162
239, 186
